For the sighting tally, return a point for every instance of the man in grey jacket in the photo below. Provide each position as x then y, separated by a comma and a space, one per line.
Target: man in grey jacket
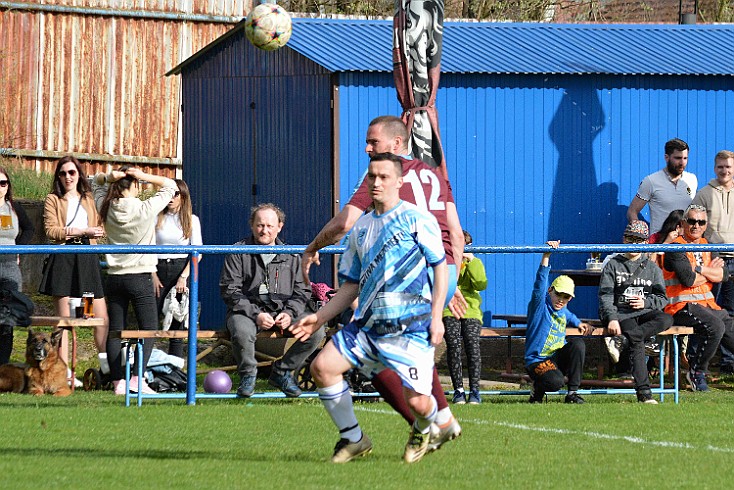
631, 301
265, 292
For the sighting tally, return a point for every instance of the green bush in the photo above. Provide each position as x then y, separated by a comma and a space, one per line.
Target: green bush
27, 183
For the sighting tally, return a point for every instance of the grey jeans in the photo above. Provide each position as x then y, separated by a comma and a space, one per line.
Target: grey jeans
244, 332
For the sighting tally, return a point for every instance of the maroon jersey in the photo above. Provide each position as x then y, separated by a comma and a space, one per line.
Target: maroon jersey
425, 188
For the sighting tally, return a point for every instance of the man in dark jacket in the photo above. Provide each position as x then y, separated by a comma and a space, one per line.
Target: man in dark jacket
689, 280
631, 302
264, 292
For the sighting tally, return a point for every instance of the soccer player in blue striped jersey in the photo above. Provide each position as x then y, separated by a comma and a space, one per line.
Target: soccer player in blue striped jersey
398, 319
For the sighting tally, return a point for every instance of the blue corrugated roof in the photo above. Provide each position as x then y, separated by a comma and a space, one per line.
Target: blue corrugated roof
365, 45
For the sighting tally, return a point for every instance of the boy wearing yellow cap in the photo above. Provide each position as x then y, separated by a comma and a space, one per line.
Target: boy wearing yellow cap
549, 355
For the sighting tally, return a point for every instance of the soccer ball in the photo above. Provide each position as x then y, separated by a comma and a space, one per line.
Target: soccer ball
268, 26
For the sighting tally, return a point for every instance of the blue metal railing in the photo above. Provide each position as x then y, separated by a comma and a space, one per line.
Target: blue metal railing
196, 251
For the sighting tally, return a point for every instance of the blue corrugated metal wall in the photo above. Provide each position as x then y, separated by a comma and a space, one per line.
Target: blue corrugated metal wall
283, 100
538, 157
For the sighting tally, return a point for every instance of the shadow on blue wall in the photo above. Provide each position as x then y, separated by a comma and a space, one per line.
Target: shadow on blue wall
582, 211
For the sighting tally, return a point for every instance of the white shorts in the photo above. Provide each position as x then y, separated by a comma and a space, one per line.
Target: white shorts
409, 355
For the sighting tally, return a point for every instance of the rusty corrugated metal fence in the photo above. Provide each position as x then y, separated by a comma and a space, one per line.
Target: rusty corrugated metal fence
90, 81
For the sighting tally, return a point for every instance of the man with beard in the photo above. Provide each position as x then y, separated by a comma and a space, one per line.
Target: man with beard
666, 190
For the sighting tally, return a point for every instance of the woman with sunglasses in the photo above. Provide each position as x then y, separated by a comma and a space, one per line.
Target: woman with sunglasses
176, 225
670, 231
15, 229
130, 221
70, 217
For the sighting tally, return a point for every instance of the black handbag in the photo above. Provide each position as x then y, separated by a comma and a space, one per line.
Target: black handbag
78, 240
15, 308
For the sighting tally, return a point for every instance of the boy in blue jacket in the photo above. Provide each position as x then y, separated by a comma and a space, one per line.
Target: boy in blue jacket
549, 355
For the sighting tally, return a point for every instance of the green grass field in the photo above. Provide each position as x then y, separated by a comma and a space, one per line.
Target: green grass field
90, 440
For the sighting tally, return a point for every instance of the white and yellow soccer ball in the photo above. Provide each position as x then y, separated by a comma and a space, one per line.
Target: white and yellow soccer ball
268, 26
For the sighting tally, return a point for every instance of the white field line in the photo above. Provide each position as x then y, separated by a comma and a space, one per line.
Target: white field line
591, 435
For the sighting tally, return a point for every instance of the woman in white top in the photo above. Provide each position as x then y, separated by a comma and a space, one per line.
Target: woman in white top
69, 217
130, 221
177, 225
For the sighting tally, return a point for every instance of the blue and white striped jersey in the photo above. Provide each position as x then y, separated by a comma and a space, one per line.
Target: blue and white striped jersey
388, 256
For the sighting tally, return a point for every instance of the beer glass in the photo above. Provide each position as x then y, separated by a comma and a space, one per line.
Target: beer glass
88, 305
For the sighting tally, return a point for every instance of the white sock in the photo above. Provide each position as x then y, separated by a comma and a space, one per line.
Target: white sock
338, 403
423, 423
444, 416
104, 366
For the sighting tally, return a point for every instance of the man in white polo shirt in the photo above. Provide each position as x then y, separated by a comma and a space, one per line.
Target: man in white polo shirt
666, 190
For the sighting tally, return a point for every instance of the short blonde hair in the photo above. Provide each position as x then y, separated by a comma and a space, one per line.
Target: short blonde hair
723, 155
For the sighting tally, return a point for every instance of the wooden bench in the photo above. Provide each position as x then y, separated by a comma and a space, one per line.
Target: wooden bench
265, 356
519, 332
70, 324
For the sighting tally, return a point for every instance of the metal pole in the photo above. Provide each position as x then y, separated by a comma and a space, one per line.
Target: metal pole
105, 12
193, 329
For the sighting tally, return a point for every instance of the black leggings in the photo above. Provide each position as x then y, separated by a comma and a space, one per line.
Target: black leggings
467, 330
121, 290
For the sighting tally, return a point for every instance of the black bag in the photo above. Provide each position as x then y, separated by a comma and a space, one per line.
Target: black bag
173, 381
78, 240
15, 308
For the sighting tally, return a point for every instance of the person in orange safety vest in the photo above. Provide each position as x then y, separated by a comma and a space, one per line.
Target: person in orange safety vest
689, 278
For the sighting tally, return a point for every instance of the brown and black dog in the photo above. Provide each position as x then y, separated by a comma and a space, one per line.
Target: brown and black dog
44, 373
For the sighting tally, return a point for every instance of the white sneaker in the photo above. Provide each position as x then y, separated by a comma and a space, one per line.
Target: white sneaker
119, 386
77, 382
613, 347
147, 390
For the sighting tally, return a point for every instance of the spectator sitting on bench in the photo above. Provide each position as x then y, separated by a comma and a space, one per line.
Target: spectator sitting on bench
689, 279
264, 292
631, 302
549, 355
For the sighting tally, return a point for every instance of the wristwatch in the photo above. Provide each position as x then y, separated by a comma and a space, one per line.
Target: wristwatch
698, 269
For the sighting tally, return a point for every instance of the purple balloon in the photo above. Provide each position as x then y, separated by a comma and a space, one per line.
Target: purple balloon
217, 382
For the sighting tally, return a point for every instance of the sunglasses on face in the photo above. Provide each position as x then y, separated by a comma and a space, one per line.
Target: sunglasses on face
177, 193
634, 239
63, 173
692, 222
4, 183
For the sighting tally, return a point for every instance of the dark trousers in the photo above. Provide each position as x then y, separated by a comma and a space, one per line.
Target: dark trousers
724, 293
569, 361
465, 331
712, 327
636, 330
243, 331
6, 331
6, 343
169, 270
121, 290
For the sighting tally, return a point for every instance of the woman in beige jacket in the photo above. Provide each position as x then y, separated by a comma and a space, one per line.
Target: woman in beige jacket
70, 217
